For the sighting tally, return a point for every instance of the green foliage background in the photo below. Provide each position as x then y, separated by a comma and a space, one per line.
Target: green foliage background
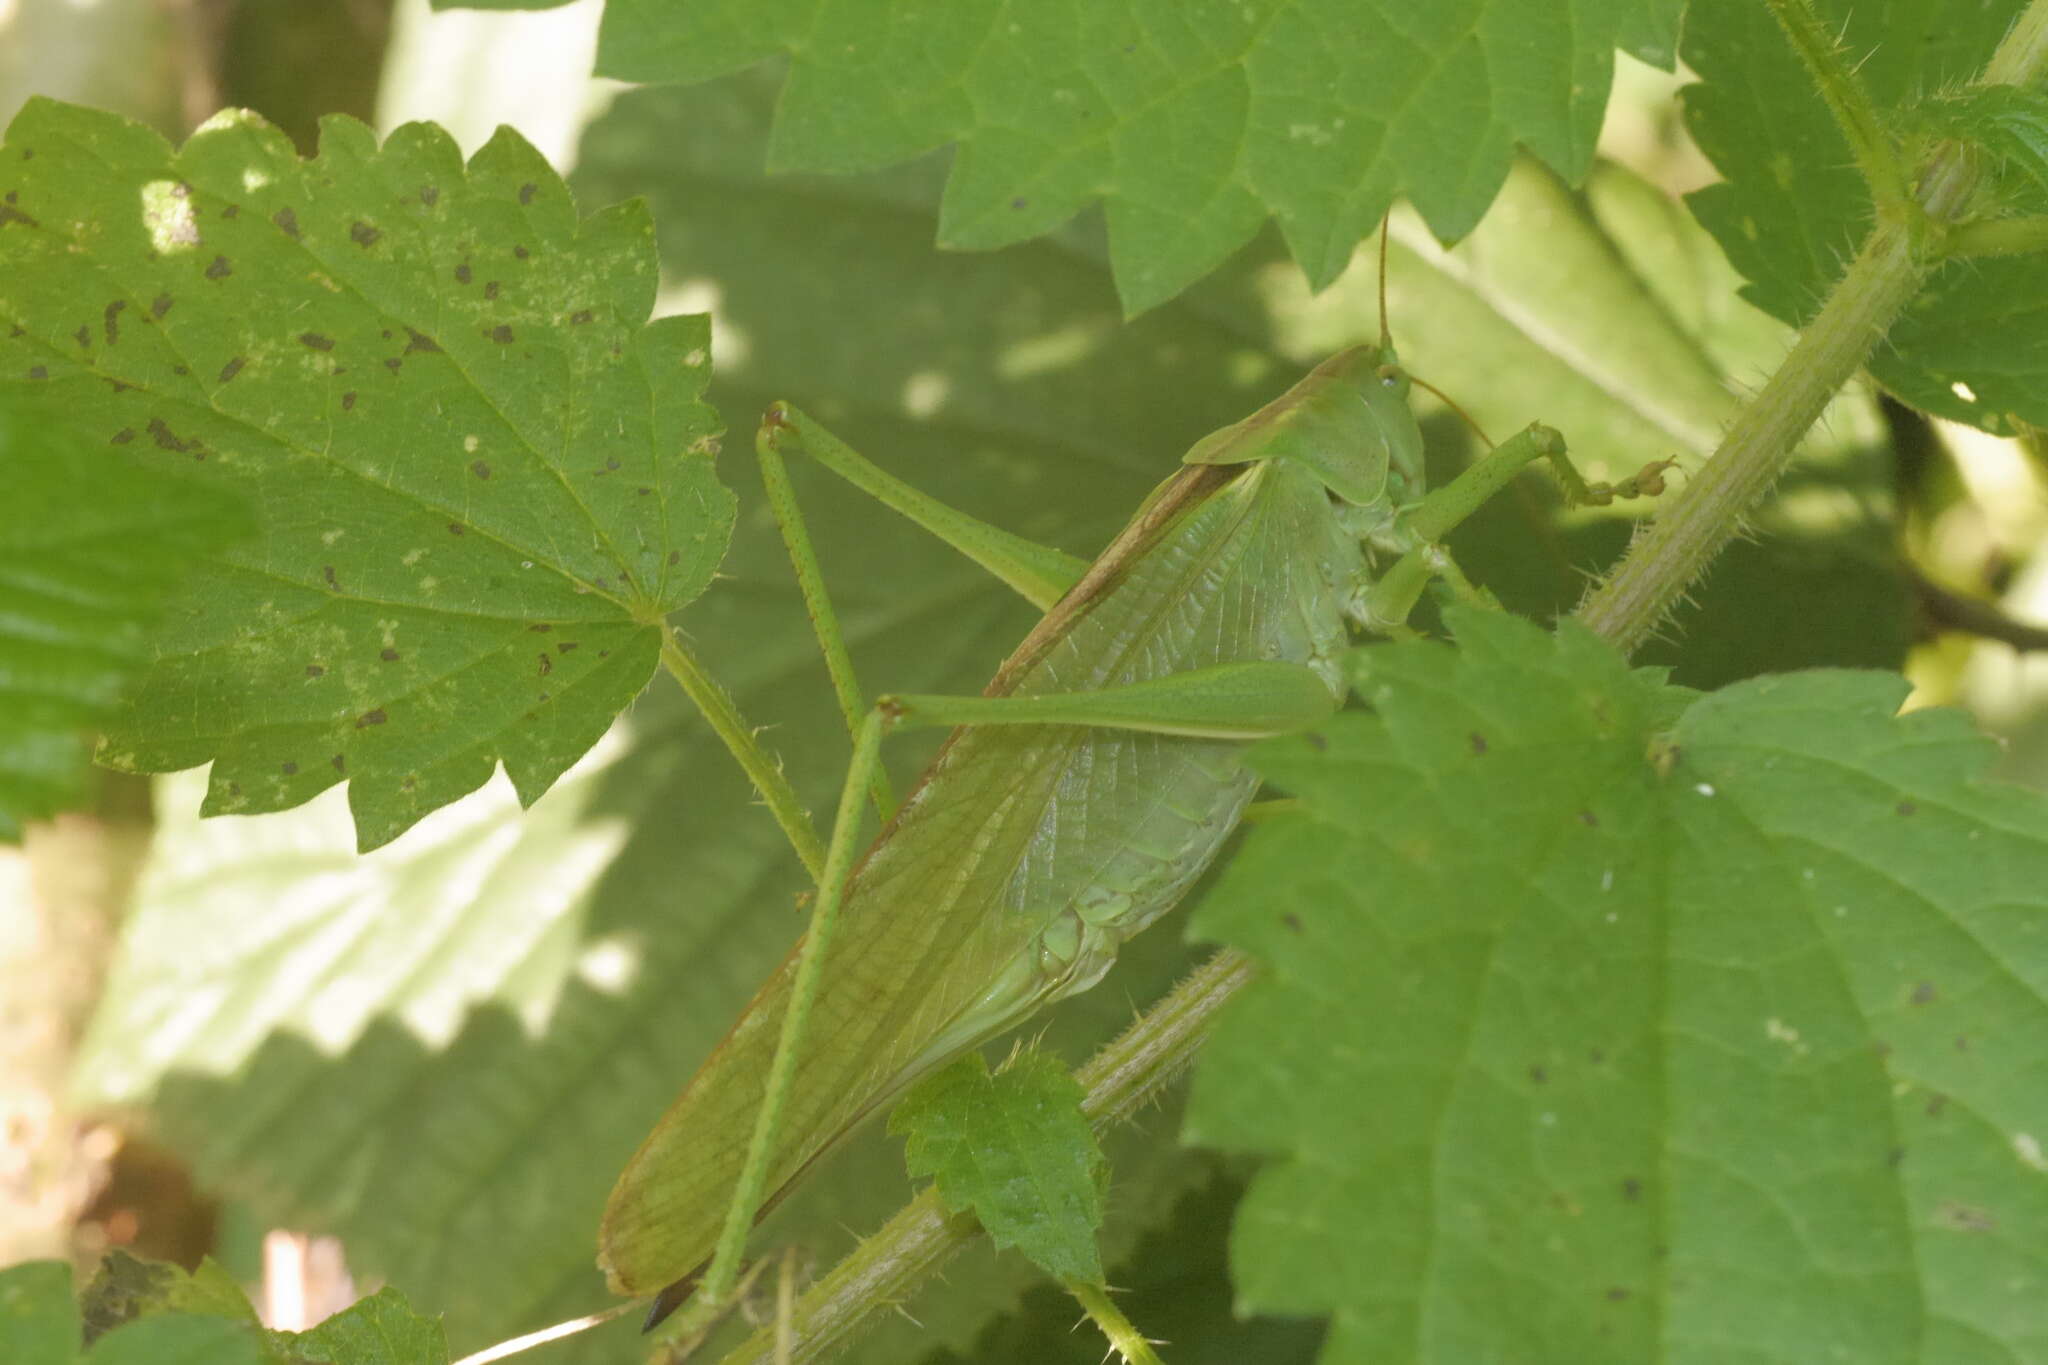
444, 1049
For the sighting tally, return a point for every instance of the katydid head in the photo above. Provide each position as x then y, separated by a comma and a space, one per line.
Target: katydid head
1348, 421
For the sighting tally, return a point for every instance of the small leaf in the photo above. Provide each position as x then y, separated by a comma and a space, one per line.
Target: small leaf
379, 1330
2007, 121
1714, 1020
126, 1288
481, 478
90, 548
1014, 1150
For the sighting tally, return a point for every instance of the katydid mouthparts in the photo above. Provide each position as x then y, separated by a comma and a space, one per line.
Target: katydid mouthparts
1078, 798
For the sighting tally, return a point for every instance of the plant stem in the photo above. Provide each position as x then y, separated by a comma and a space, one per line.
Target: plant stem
1846, 99
761, 768
1119, 1080
1886, 274
1123, 1338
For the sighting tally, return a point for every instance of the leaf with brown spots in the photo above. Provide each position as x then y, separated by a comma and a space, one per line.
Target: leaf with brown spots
1565, 1006
353, 601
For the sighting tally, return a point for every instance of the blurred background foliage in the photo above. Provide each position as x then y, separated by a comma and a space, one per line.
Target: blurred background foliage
432, 1061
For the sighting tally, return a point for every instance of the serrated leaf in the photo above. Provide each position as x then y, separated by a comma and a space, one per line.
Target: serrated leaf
480, 481
90, 547
38, 1320
1191, 125
1712, 1024
1014, 1149
379, 1330
1973, 346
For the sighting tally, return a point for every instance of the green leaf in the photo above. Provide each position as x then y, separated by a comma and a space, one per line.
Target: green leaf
1014, 1149
379, 1330
89, 549
1714, 1024
480, 481
1191, 126
38, 1320
183, 1339
1973, 346
126, 1288
2006, 121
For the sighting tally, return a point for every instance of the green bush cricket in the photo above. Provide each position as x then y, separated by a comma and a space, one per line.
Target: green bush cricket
1078, 798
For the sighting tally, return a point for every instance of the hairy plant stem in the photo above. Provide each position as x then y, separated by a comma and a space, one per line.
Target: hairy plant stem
1895, 260
1119, 1080
716, 706
1847, 100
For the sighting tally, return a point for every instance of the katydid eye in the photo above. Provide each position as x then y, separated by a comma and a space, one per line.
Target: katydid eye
1390, 376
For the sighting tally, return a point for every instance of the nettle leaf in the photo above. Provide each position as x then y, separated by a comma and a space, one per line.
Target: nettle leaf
1973, 345
87, 558
481, 478
38, 1319
1013, 1149
1192, 127
379, 1330
1588, 1035
126, 1288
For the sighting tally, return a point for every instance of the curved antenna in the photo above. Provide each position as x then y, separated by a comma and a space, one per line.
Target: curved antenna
1452, 404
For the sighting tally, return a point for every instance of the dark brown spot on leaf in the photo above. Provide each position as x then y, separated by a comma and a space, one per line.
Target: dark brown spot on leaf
604, 654
289, 768
1019, 203
1616, 1294
369, 718
419, 341
581, 315
566, 646
1935, 1104
1478, 742
480, 468
11, 214
456, 528
526, 192
612, 463
462, 273
180, 370
1923, 992
430, 195
388, 655
547, 665
362, 234
1539, 1076
675, 557
316, 341
643, 492
1908, 808
160, 305
490, 289
219, 269
83, 335
1292, 921
520, 252
540, 627
232, 368
327, 572
231, 211
348, 401
111, 319
1589, 820
315, 671
339, 763
287, 222
501, 334
166, 439
394, 364
1631, 1189
124, 436
408, 782
38, 372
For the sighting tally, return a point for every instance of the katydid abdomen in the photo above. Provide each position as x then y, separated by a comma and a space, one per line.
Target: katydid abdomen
1025, 855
